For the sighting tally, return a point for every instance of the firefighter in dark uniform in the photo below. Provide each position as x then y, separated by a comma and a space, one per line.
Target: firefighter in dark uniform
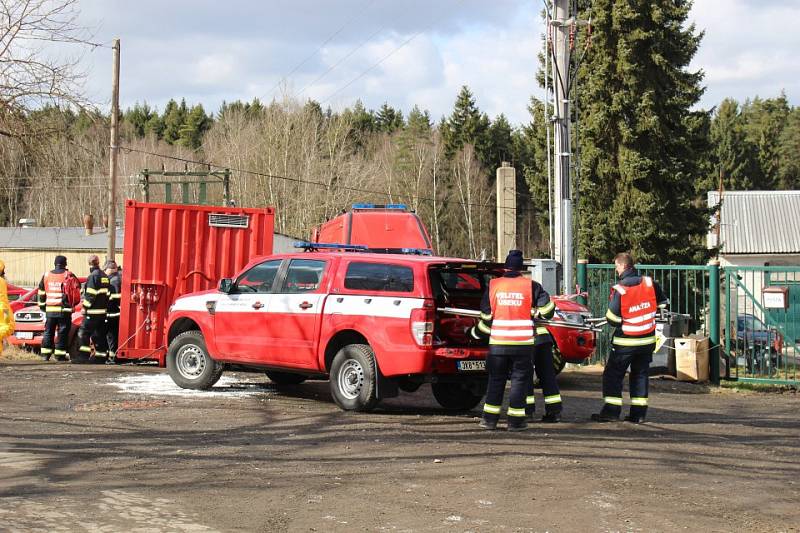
54, 302
507, 313
632, 309
95, 308
112, 317
543, 361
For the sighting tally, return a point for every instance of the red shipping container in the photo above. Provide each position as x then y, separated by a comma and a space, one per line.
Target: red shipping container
172, 250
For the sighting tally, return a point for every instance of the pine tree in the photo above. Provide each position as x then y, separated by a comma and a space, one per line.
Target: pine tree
530, 155
389, 119
174, 118
194, 127
154, 126
466, 125
419, 122
250, 110
138, 117
765, 120
643, 147
789, 152
734, 156
499, 142
363, 121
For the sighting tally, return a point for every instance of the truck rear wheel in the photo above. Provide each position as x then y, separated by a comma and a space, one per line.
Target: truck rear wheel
189, 364
285, 378
354, 378
456, 396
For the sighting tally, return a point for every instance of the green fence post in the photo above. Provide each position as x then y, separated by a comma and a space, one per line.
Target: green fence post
713, 334
728, 332
582, 278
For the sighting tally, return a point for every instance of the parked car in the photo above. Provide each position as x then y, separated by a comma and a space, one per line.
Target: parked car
30, 325
15, 292
23, 300
760, 346
570, 345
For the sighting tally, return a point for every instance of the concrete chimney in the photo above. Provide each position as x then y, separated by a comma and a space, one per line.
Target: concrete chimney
88, 223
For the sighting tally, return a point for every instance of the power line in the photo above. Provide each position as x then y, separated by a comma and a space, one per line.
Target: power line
297, 67
45, 187
386, 194
390, 54
344, 58
54, 178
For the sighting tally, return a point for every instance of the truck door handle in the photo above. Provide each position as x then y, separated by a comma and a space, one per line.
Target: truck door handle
258, 305
306, 305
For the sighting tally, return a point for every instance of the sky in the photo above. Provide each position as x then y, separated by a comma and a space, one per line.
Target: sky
403, 52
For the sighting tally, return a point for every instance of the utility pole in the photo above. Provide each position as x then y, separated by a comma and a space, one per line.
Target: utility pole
112, 189
562, 205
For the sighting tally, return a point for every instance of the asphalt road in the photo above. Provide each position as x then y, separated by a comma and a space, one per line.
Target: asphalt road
120, 449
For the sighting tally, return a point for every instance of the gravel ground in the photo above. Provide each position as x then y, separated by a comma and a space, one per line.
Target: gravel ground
119, 448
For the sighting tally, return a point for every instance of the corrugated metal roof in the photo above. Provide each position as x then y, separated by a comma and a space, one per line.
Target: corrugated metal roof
759, 222
64, 239
61, 239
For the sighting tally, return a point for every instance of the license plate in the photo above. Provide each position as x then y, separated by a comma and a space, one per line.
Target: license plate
470, 366
27, 335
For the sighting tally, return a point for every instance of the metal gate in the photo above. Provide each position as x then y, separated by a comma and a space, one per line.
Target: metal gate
762, 324
688, 288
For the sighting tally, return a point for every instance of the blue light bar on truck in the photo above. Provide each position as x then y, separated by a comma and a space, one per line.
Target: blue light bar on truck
417, 251
380, 206
308, 246
329, 246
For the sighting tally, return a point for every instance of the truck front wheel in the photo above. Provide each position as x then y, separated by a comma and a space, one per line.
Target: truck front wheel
456, 396
354, 378
189, 364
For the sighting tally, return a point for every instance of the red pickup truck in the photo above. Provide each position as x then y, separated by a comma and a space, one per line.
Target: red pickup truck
367, 321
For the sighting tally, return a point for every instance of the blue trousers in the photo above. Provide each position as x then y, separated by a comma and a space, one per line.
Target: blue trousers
501, 361
543, 366
638, 359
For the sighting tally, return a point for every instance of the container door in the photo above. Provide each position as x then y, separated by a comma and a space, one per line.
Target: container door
241, 320
295, 311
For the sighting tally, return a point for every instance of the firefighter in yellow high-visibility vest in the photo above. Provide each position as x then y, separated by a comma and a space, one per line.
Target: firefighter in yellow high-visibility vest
7, 324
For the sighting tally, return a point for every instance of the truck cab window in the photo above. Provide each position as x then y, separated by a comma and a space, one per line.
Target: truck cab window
379, 277
258, 279
303, 275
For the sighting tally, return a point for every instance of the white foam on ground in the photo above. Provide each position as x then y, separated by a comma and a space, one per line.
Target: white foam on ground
162, 385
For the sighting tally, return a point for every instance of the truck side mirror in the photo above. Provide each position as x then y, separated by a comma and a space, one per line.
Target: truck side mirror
225, 285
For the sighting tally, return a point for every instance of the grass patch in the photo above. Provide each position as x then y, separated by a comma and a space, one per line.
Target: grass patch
12, 353
757, 387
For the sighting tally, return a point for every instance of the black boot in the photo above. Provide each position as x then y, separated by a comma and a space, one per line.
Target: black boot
490, 425
604, 417
551, 418
635, 419
517, 426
